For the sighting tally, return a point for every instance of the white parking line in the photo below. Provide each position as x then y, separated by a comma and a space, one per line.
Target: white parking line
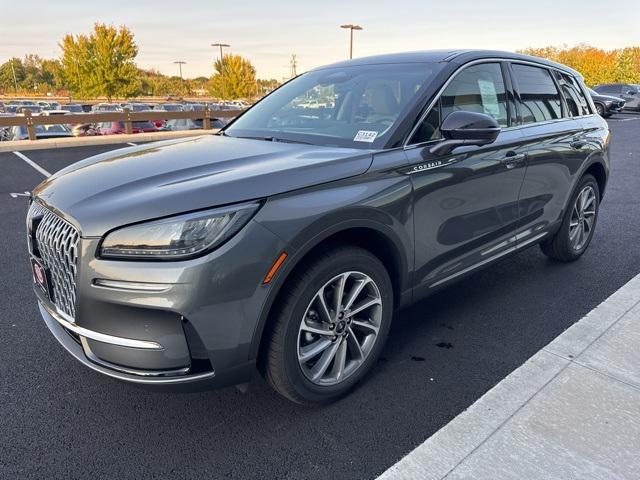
132, 144
33, 164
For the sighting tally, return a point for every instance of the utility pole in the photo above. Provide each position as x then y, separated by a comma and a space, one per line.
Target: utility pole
221, 45
15, 80
294, 66
180, 63
351, 28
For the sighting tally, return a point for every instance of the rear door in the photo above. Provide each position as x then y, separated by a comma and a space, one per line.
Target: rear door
556, 147
631, 95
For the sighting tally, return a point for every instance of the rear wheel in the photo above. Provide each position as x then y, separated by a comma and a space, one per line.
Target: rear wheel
330, 326
576, 231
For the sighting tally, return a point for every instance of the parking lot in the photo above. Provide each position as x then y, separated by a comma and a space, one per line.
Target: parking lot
61, 420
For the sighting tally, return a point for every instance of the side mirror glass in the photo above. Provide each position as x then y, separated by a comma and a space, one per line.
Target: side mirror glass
466, 128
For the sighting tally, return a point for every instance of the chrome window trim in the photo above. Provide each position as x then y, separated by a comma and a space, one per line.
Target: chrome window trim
406, 145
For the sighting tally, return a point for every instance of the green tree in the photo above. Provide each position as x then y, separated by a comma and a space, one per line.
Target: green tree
627, 68
235, 77
7, 70
101, 63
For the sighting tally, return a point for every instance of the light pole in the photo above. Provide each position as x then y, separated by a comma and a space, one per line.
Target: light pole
180, 63
13, 70
351, 28
221, 45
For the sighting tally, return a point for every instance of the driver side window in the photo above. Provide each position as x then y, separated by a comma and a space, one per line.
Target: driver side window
479, 88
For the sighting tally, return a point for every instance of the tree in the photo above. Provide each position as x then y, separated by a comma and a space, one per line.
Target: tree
11, 72
101, 63
596, 65
235, 77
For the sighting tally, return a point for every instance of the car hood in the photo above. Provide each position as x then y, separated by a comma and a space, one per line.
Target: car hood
604, 98
165, 178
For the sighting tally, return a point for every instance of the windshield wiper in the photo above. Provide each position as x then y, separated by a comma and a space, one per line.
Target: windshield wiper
275, 139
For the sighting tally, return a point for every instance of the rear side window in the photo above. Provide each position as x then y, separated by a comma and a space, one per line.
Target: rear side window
539, 98
478, 88
573, 95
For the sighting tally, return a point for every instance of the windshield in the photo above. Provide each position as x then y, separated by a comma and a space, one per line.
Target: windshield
350, 106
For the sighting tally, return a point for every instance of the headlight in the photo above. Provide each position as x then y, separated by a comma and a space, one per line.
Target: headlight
177, 237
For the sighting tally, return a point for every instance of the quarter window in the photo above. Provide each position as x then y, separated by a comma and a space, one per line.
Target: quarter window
539, 98
573, 95
478, 88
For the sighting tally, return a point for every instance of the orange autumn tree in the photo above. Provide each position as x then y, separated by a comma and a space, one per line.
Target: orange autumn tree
595, 64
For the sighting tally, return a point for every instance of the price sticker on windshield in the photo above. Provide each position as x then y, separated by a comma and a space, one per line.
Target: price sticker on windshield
365, 136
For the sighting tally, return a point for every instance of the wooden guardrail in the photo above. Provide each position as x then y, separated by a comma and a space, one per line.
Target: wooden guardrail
126, 116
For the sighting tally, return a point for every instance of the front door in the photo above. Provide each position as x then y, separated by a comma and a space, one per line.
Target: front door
465, 203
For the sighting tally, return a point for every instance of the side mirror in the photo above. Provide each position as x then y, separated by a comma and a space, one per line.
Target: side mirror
631, 92
466, 128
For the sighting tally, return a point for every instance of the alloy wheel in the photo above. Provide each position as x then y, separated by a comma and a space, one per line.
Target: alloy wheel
339, 328
583, 218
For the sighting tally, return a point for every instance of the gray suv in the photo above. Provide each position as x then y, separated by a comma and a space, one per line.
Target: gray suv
629, 92
285, 243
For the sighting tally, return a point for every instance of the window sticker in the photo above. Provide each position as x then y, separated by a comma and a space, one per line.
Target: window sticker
365, 136
489, 97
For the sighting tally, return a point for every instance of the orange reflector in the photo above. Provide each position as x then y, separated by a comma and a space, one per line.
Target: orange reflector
276, 265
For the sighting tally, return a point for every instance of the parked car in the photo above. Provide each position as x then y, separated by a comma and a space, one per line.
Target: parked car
191, 124
628, 92
84, 130
170, 107
34, 109
115, 128
606, 105
73, 108
137, 107
50, 112
106, 107
287, 241
42, 131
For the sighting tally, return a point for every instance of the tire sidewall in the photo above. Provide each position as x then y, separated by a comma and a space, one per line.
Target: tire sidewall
360, 261
564, 229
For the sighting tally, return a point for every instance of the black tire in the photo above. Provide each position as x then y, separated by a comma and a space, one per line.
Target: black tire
559, 247
600, 109
279, 363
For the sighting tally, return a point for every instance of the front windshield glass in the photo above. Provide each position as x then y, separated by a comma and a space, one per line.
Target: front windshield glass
349, 106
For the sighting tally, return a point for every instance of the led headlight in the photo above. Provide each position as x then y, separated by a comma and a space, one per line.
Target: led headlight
177, 237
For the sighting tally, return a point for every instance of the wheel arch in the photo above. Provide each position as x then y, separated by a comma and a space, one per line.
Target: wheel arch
598, 171
378, 239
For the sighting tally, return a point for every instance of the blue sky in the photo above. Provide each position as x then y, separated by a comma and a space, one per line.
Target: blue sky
268, 32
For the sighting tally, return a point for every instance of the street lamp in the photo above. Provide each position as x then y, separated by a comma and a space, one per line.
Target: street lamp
351, 28
221, 45
180, 63
15, 80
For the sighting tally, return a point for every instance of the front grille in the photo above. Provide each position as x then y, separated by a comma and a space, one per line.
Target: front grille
56, 243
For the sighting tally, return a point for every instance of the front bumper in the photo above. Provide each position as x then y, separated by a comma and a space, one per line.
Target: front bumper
60, 329
195, 329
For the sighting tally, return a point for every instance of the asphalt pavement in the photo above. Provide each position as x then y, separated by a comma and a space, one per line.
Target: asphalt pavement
60, 420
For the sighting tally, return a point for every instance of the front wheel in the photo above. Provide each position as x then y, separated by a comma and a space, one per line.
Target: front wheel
329, 326
578, 224
600, 109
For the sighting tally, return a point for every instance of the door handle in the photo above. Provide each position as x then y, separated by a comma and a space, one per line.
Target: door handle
513, 159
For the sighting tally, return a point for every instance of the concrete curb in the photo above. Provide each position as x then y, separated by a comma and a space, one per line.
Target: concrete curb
504, 435
24, 145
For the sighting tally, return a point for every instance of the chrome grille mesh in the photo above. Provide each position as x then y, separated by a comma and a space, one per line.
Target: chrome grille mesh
57, 242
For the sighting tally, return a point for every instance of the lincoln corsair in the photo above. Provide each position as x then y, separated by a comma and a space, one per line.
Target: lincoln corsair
285, 243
